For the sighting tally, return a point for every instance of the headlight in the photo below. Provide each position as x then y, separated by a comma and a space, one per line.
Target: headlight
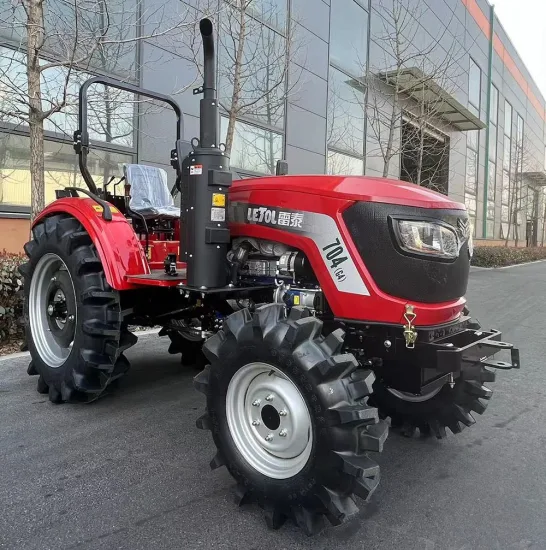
427, 238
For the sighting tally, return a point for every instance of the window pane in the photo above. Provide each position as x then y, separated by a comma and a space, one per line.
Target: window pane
61, 168
494, 105
471, 171
12, 16
262, 69
272, 12
84, 22
255, 149
472, 139
13, 84
345, 113
492, 181
348, 36
470, 202
490, 229
507, 119
505, 213
520, 131
474, 85
110, 111
490, 210
345, 165
505, 187
506, 153
116, 20
492, 143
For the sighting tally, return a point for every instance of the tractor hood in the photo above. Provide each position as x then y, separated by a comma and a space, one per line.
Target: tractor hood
356, 188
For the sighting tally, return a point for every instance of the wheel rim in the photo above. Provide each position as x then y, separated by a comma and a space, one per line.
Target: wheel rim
269, 420
414, 398
52, 311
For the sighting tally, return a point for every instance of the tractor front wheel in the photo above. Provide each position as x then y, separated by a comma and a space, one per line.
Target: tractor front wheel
74, 324
446, 407
289, 416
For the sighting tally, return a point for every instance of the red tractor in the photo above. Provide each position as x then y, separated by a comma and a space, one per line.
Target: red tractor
319, 305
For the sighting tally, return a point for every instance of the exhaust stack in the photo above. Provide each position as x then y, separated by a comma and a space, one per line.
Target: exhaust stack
209, 104
204, 233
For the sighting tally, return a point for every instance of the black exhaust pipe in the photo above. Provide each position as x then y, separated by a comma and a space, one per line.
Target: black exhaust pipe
209, 103
204, 235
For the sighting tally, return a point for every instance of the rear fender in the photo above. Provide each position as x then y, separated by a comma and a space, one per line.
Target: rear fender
117, 245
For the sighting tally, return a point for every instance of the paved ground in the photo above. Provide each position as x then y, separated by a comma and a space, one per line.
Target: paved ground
131, 472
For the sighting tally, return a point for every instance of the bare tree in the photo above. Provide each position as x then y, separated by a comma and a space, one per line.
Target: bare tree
408, 90
60, 42
256, 43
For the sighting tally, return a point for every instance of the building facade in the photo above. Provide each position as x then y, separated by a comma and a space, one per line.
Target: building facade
430, 91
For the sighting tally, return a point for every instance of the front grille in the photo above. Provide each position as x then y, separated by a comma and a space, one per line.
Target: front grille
410, 277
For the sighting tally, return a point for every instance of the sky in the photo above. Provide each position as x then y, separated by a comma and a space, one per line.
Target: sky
525, 24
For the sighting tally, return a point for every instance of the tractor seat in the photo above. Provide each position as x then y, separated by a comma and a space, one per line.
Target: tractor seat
150, 196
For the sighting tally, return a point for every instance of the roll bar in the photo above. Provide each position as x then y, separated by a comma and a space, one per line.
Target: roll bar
81, 135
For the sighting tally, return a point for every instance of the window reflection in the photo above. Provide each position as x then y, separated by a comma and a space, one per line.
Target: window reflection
61, 168
110, 111
474, 85
261, 84
348, 36
254, 149
344, 165
345, 113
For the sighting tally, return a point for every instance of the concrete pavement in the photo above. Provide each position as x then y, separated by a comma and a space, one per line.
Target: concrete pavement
131, 471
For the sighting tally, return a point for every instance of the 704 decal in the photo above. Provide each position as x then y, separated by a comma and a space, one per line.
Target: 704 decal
336, 255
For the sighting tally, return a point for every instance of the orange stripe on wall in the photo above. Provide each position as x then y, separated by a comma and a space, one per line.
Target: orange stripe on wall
483, 22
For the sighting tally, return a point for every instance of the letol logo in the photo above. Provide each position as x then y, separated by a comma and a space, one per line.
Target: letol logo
270, 216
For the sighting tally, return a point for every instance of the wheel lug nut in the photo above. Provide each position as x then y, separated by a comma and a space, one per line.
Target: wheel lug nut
256, 403
269, 437
269, 397
283, 433
71, 317
53, 279
283, 412
255, 422
50, 309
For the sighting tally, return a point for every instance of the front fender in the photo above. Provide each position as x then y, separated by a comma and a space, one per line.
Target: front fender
117, 245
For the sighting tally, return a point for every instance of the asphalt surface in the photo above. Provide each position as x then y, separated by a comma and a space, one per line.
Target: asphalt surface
131, 471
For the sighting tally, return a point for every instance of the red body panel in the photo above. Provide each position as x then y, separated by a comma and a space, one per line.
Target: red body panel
117, 244
354, 188
123, 257
158, 251
331, 195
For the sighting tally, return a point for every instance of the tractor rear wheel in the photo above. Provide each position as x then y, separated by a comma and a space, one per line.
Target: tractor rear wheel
442, 408
289, 416
74, 323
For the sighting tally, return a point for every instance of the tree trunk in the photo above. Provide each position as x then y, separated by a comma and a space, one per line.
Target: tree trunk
392, 127
236, 95
35, 41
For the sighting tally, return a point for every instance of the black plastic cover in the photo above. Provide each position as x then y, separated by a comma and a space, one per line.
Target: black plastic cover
399, 273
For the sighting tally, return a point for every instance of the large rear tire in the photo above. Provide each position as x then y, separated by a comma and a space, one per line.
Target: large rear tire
289, 416
444, 408
74, 323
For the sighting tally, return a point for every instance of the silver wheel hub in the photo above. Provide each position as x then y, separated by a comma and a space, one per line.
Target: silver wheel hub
269, 420
52, 326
